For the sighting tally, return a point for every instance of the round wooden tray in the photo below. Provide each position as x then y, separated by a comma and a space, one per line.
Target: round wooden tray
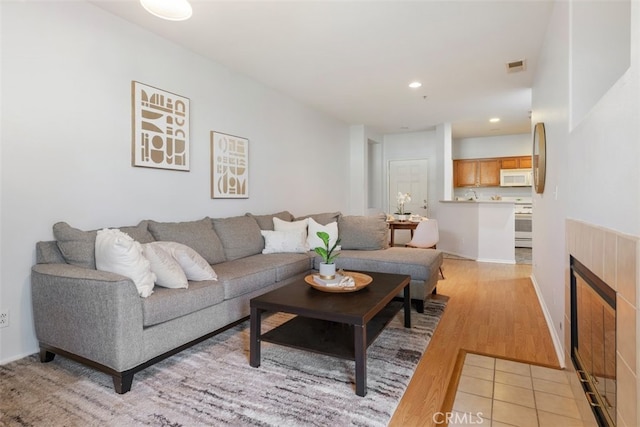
362, 281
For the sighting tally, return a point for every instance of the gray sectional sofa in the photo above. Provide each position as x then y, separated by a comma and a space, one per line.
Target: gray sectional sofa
98, 318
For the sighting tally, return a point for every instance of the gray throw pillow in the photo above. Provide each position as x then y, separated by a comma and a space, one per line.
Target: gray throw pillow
322, 218
265, 222
363, 232
78, 247
198, 235
240, 236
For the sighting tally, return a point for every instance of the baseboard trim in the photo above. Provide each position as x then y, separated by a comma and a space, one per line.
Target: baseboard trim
557, 342
497, 261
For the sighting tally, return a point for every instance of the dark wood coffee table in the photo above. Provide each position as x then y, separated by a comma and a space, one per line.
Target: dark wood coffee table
337, 324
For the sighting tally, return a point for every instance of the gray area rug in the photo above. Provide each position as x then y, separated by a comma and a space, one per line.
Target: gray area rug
213, 384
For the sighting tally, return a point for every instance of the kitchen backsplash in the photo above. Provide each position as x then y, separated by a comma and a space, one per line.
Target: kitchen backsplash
486, 193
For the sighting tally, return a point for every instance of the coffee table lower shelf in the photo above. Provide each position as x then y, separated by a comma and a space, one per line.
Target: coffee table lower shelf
327, 337
337, 324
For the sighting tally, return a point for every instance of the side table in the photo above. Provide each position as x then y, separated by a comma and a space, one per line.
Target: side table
401, 225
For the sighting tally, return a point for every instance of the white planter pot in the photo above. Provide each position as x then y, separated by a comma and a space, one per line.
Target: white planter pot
404, 217
327, 271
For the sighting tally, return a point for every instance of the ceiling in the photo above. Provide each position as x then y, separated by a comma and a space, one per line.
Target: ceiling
354, 60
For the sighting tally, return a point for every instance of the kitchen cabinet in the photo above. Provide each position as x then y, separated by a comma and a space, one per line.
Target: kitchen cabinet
522, 162
476, 173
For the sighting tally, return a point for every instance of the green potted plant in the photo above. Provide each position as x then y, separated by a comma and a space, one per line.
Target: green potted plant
328, 254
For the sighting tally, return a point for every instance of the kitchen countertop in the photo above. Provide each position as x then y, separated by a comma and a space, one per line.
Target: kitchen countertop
479, 201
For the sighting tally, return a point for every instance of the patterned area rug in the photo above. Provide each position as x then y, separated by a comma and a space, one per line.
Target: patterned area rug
213, 384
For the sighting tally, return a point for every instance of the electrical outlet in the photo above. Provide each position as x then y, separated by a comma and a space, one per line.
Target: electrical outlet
4, 318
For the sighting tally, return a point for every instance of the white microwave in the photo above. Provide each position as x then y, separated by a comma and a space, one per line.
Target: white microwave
516, 177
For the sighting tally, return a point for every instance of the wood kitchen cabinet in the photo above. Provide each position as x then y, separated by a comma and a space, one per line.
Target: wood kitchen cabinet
485, 172
522, 162
465, 173
476, 173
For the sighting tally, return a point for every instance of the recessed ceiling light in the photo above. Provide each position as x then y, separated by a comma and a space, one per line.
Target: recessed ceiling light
415, 85
172, 10
494, 120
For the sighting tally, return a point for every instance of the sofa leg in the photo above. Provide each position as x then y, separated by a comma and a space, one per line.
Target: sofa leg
419, 306
46, 356
122, 383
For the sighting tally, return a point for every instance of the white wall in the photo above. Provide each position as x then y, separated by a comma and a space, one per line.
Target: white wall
592, 172
360, 137
492, 146
66, 140
602, 29
445, 153
415, 145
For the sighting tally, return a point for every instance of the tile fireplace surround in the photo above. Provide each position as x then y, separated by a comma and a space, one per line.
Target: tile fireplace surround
614, 258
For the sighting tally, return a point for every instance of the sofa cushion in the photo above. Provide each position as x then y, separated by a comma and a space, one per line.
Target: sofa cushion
49, 253
117, 252
322, 218
418, 263
168, 272
198, 235
192, 264
78, 246
363, 232
245, 275
240, 236
284, 241
167, 304
289, 265
265, 222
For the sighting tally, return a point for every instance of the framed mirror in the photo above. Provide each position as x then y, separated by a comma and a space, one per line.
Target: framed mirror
539, 157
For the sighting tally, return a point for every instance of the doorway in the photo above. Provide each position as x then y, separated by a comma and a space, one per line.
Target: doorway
409, 176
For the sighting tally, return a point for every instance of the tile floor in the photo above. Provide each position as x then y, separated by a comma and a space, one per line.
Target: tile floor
495, 392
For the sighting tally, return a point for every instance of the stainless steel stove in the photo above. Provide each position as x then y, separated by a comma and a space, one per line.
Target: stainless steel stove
523, 210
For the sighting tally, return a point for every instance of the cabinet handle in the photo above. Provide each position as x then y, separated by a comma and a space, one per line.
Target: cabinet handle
582, 376
590, 399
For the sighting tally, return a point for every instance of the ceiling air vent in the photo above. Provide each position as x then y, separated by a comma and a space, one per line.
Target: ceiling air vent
516, 66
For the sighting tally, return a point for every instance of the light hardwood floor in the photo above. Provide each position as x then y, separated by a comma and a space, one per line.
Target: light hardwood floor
492, 309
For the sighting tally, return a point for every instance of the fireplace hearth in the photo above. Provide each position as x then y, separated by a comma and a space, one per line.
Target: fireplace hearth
593, 340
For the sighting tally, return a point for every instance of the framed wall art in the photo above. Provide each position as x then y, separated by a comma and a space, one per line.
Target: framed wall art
229, 166
160, 128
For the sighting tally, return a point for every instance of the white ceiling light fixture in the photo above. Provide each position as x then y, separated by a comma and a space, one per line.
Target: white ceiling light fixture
171, 10
415, 85
494, 120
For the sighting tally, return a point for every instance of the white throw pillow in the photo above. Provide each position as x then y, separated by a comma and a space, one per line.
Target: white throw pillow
117, 252
313, 241
284, 241
194, 266
280, 225
168, 272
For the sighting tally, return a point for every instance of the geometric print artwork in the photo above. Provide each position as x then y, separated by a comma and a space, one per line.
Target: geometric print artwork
160, 128
229, 166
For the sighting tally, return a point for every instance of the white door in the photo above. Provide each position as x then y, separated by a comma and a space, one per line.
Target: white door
409, 176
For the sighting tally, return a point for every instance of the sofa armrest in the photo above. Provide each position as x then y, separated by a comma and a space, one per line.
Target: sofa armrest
93, 314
